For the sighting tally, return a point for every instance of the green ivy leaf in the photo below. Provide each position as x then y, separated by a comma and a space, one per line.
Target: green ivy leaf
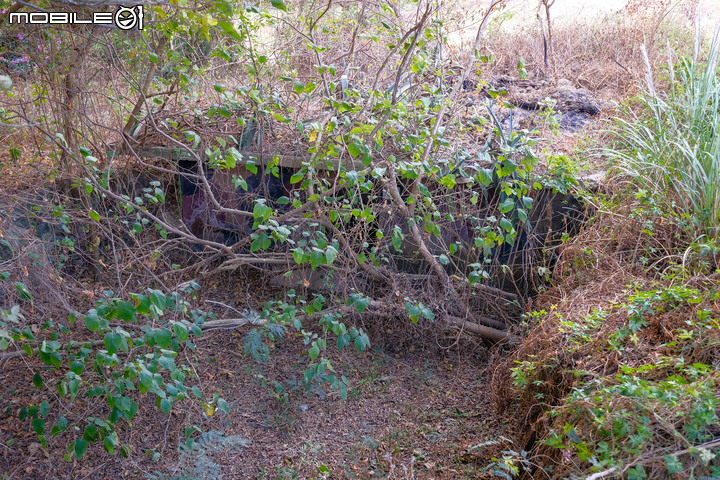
229, 29
92, 321
24, 292
506, 224
507, 205
485, 176
44, 408
90, 433
110, 441
158, 299
361, 303
94, 215
37, 381
77, 367
38, 425
181, 331
165, 405
163, 338
413, 312
113, 342
142, 304
80, 446
73, 387
125, 311
354, 149
223, 405
314, 351
343, 341
145, 381
361, 342
330, 254
426, 312
279, 4
261, 212
297, 255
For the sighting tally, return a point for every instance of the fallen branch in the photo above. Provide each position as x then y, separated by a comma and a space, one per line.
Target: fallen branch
239, 260
706, 446
602, 474
486, 332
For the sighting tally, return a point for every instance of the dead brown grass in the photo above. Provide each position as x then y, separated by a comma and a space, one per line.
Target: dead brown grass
598, 271
601, 54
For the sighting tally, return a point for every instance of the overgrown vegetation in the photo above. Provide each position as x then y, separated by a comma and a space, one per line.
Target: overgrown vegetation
363, 173
620, 377
670, 147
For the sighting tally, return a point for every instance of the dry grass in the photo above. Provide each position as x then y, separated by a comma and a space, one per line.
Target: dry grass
601, 54
600, 270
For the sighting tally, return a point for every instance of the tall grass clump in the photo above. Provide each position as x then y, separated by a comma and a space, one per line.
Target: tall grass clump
671, 146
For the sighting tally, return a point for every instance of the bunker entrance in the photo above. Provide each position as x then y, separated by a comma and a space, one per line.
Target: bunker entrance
218, 205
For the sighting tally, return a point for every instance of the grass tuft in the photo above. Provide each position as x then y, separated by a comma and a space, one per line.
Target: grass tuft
671, 146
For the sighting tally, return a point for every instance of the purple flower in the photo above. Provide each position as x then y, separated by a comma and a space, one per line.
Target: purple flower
19, 36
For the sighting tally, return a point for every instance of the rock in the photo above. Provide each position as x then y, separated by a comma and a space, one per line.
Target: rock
575, 100
576, 105
573, 121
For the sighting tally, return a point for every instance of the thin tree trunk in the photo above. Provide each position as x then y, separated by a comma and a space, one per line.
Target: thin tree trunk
133, 120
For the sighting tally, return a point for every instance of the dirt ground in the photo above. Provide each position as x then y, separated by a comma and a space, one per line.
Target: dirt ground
415, 409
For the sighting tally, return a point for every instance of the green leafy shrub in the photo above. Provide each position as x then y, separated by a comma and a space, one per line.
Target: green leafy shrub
131, 350
633, 389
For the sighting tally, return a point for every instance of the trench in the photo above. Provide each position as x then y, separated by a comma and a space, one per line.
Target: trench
403, 374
